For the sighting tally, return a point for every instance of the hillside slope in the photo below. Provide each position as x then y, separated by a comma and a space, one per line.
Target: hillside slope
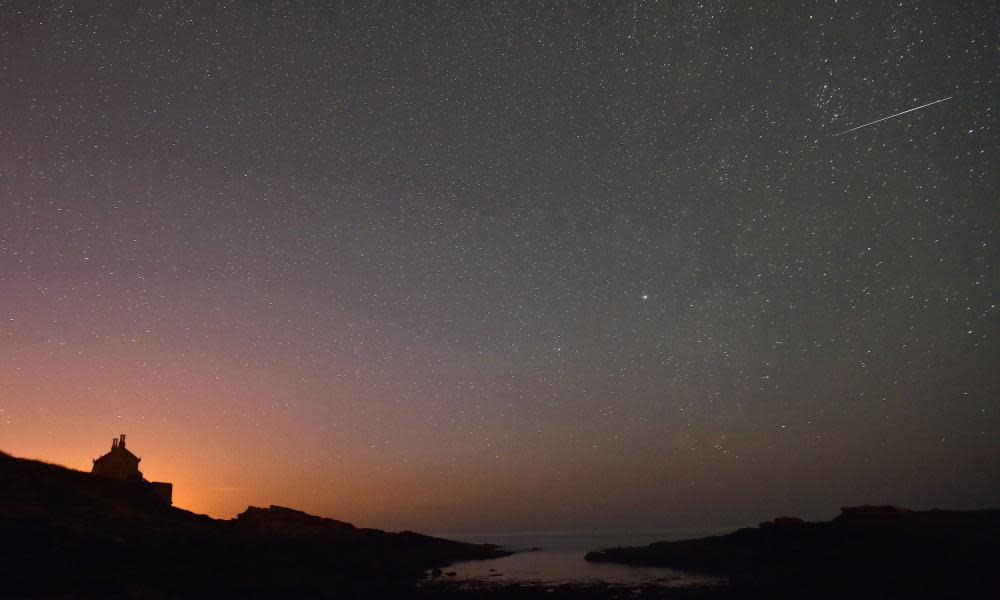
68, 532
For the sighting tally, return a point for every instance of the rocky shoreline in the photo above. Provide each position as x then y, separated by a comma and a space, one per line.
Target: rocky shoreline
867, 551
579, 591
69, 534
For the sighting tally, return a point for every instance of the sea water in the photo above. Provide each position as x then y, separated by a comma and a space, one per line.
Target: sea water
559, 560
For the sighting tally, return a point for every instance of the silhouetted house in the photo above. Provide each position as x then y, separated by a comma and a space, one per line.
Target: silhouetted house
121, 464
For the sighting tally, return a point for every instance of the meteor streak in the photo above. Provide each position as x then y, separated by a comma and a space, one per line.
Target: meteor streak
891, 116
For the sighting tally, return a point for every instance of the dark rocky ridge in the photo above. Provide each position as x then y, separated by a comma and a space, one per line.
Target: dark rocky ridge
67, 533
868, 551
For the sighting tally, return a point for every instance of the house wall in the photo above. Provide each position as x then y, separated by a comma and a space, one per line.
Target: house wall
163, 491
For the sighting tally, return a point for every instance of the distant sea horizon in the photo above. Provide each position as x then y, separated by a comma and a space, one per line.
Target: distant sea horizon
582, 539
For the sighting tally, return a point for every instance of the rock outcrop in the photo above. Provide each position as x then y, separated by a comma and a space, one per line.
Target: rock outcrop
291, 523
867, 551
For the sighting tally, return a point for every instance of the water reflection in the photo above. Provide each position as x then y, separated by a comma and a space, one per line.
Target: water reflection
560, 561
562, 566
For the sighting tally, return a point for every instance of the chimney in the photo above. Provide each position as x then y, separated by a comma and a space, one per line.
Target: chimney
121, 442
114, 443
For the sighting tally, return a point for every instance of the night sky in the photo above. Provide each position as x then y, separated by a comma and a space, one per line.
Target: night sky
482, 266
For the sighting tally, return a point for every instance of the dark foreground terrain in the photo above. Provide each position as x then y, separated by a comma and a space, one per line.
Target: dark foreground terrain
866, 552
65, 533
567, 591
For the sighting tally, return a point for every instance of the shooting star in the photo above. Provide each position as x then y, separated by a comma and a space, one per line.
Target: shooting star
891, 116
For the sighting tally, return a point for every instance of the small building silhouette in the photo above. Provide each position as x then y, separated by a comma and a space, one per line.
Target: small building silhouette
119, 463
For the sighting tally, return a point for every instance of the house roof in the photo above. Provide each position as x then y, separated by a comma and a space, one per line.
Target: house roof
119, 451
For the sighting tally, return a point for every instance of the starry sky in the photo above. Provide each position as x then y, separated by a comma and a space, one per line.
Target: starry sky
507, 266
